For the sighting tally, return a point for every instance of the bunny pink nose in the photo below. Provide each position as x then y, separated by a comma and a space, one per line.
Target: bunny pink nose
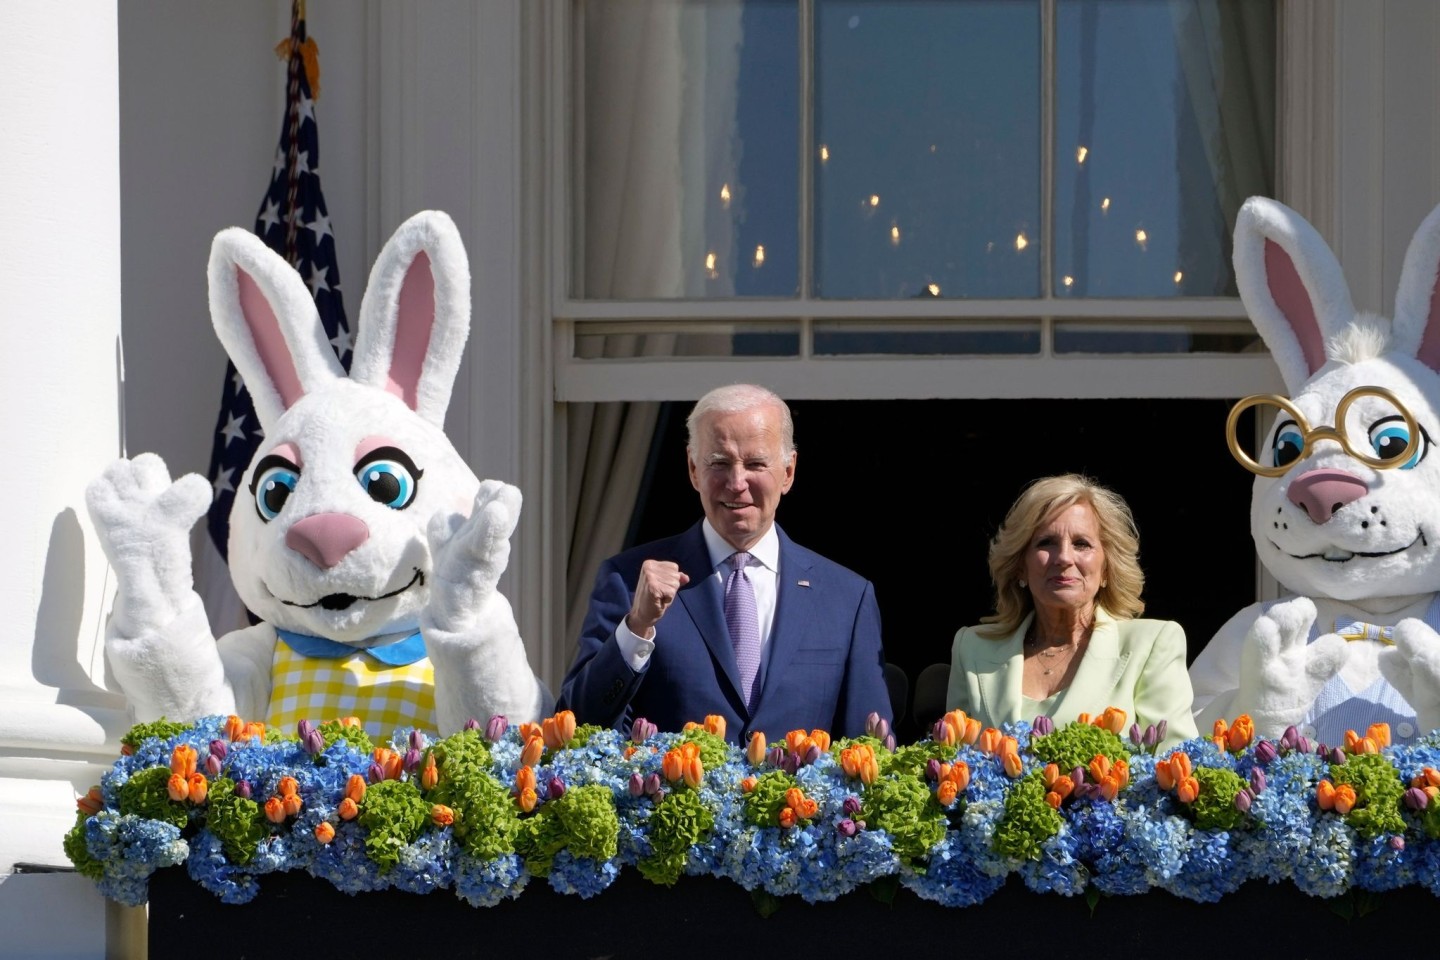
1320, 493
326, 538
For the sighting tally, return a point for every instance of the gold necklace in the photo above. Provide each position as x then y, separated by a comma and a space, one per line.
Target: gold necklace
1050, 652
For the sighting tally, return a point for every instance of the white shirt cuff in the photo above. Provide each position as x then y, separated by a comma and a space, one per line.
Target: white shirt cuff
635, 649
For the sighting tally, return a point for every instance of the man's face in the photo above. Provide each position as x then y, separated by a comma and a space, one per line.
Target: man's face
740, 471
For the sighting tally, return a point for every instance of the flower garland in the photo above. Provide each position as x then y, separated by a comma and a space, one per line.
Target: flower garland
485, 811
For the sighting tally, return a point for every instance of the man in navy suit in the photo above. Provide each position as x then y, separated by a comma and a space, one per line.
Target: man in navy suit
656, 642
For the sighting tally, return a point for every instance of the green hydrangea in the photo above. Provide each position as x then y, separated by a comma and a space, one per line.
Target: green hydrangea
333, 731
911, 759
458, 756
1378, 793
147, 794
583, 821
1078, 744
764, 803
583, 733
1214, 808
79, 854
679, 822
161, 729
239, 823
904, 807
393, 814
1028, 821
487, 821
714, 751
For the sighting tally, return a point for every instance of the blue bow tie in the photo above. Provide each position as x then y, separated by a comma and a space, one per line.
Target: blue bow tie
1359, 630
401, 653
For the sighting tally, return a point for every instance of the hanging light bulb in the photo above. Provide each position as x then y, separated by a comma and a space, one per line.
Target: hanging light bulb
1081, 153
1105, 205
725, 196
824, 153
933, 289
874, 199
1142, 239
1069, 281
759, 260
1178, 277
1021, 241
894, 235
710, 260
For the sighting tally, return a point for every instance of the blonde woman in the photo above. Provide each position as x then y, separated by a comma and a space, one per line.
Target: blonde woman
1064, 638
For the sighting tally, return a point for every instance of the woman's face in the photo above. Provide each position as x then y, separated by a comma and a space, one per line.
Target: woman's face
1065, 562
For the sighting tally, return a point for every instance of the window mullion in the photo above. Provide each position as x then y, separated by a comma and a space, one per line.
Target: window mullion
806, 205
1047, 148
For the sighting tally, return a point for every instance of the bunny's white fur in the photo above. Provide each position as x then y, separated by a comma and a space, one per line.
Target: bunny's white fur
431, 565
1376, 557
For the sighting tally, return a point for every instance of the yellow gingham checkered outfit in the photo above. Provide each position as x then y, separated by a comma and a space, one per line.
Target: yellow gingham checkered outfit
319, 689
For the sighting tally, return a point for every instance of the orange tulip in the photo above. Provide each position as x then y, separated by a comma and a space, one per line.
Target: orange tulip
694, 773
1325, 795
1431, 775
234, 728
1344, 799
690, 725
324, 832
715, 723
275, 810
755, 749
959, 774
850, 762
253, 730
971, 731
821, 739
199, 787
1165, 774
530, 730
182, 760
527, 799
748, 784
787, 817
1100, 767
524, 779
1110, 787
946, 792
1180, 763
350, 722
533, 750
673, 765
1432, 792
1053, 799
1352, 741
808, 808
288, 787
1380, 733
348, 809
628, 752
1241, 732
990, 740
389, 762
1187, 789
947, 732
550, 734
431, 774
793, 739
1113, 719
178, 787
794, 798
869, 769
565, 725
292, 804
689, 750
441, 815
355, 788
92, 803
1121, 771
1050, 774
1062, 787
1082, 718
1010, 760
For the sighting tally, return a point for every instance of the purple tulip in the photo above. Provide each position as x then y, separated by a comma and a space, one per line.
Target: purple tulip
303, 728
1151, 737
1042, 726
1290, 739
790, 764
847, 828
636, 786
890, 742
1243, 800
937, 732
1161, 728
1265, 752
1077, 776
242, 789
642, 730
932, 770
812, 754
1257, 780
555, 789
495, 727
412, 760
1397, 842
653, 786
313, 743
1082, 790
851, 806
472, 724
877, 726
375, 774
1302, 744
1136, 737
1337, 756
775, 756
417, 740
1416, 799
212, 765
219, 748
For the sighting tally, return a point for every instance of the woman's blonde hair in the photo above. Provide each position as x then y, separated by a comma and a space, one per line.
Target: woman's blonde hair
1041, 500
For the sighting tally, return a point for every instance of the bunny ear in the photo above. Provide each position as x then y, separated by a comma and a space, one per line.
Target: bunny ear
1292, 286
268, 323
416, 315
1416, 329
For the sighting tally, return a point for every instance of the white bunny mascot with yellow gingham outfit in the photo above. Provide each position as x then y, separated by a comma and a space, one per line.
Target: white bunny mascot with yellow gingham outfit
1345, 511
362, 540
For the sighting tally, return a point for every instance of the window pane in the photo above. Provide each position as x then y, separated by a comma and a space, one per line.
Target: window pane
1165, 123
759, 338
928, 149
691, 149
926, 337
1169, 336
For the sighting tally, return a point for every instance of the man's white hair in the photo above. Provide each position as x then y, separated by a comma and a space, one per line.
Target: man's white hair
737, 398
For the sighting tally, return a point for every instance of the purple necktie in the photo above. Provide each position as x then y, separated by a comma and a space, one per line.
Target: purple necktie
743, 622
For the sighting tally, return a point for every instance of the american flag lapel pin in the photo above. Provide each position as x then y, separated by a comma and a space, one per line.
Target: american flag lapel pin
803, 583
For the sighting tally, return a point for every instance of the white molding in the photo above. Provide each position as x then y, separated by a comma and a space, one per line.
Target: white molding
1189, 308
1307, 159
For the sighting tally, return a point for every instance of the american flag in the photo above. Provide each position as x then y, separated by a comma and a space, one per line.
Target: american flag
294, 222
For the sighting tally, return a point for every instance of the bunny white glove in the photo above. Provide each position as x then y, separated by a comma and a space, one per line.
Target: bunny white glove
1281, 673
1412, 667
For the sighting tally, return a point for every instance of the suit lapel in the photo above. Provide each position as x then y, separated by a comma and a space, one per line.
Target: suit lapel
795, 607
702, 600
1098, 674
1001, 685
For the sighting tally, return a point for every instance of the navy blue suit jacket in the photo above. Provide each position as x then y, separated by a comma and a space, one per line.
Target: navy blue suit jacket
825, 665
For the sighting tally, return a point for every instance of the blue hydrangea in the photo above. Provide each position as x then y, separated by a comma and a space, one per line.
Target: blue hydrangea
581, 876
484, 883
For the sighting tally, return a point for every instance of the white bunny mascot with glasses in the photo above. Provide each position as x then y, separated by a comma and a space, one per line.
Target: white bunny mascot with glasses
1345, 511
363, 541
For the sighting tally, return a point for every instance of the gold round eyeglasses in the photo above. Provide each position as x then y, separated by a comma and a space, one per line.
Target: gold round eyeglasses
1313, 435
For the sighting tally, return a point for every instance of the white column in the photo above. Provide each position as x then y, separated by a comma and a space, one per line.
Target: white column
60, 382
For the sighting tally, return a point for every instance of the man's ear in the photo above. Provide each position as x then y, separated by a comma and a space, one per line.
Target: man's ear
690, 466
790, 471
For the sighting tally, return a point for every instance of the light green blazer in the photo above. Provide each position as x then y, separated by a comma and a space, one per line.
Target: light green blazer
1136, 665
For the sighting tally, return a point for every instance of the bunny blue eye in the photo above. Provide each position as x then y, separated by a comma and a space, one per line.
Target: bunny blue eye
389, 477
1287, 445
274, 480
1389, 437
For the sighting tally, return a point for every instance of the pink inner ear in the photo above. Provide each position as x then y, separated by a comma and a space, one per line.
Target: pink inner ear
1294, 302
413, 325
269, 341
1429, 352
